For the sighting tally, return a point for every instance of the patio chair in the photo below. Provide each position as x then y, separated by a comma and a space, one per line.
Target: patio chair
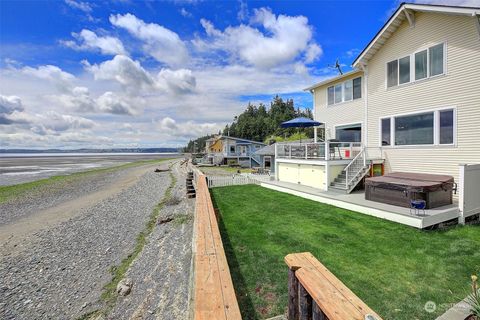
417, 205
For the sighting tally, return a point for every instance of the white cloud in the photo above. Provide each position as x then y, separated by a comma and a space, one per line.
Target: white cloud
9, 105
89, 41
285, 40
184, 12
127, 72
63, 80
188, 129
83, 6
159, 42
136, 80
110, 102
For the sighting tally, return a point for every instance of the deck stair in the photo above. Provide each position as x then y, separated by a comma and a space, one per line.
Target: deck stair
191, 193
353, 173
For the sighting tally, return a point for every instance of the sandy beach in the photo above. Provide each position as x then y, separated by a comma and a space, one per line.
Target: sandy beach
58, 245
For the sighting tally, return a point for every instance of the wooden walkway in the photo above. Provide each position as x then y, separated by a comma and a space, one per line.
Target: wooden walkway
214, 295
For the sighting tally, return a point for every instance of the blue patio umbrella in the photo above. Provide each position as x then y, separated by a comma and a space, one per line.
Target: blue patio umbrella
300, 122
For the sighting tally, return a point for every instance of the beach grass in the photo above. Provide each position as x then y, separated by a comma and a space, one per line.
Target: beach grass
394, 268
17, 190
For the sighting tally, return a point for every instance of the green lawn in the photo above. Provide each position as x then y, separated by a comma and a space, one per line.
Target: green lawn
395, 269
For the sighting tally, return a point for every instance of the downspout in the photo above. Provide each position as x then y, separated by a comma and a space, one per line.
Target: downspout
314, 117
365, 121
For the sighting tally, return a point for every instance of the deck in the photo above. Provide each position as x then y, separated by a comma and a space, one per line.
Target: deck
355, 201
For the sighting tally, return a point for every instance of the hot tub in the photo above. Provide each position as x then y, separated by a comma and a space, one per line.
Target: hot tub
399, 188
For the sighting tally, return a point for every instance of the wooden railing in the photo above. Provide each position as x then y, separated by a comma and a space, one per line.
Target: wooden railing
214, 295
315, 293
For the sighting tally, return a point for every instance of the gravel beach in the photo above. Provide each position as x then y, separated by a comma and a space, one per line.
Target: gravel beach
57, 269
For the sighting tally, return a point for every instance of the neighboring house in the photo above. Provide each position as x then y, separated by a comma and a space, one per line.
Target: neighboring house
230, 150
412, 103
267, 157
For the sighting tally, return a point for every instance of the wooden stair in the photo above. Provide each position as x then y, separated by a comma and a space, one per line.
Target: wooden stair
191, 193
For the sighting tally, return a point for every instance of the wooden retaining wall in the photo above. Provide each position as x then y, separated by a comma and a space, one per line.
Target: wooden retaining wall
214, 296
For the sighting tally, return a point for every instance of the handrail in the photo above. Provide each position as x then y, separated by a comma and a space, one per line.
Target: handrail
354, 160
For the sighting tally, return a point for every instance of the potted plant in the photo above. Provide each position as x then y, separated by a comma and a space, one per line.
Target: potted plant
474, 300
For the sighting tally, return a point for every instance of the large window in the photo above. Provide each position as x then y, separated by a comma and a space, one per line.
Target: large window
349, 133
429, 128
414, 130
423, 64
345, 91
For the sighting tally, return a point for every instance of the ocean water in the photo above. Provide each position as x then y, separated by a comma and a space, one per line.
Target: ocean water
26, 167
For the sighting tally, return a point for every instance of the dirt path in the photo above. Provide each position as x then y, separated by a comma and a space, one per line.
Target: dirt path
13, 234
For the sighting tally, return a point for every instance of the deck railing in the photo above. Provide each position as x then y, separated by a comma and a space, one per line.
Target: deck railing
328, 150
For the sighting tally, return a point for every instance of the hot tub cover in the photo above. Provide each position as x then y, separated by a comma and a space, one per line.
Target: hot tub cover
412, 182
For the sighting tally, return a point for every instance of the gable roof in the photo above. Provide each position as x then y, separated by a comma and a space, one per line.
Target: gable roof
330, 80
405, 12
241, 140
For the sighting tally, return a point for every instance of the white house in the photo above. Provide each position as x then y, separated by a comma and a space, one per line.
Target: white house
411, 104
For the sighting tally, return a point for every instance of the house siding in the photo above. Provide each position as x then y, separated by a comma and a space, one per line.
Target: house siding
458, 88
338, 114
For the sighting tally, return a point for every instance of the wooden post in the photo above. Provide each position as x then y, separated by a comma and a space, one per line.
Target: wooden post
317, 314
304, 304
292, 295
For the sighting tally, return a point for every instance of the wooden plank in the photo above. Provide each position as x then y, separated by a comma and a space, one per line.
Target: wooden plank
214, 295
332, 302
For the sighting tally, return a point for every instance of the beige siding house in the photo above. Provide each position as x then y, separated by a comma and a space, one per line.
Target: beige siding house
412, 103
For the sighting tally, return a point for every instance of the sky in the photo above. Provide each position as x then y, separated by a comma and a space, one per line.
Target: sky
103, 74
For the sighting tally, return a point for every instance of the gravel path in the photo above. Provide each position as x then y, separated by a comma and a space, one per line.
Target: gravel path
161, 272
61, 272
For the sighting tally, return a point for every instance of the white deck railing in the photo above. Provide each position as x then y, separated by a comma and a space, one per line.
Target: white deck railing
328, 150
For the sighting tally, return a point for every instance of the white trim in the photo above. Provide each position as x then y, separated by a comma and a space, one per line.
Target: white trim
317, 162
436, 128
461, 195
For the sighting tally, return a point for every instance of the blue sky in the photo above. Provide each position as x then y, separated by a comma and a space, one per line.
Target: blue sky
157, 73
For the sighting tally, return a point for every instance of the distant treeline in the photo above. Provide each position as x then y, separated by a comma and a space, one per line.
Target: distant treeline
260, 123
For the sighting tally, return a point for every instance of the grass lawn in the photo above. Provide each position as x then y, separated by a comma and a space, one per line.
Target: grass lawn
395, 269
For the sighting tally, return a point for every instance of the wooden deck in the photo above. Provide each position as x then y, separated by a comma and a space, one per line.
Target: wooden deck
331, 298
214, 295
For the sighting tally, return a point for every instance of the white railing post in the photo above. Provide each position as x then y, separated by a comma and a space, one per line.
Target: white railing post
306, 151
289, 151
327, 150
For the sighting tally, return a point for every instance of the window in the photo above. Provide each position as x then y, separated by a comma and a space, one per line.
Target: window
421, 65
349, 133
330, 92
414, 130
348, 90
232, 149
338, 93
392, 73
404, 70
436, 60
386, 133
424, 64
446, 127
429, 128
345, 91
357, 88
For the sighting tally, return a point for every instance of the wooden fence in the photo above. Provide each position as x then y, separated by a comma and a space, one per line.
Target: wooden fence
315, 293
234, 180
214, 295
